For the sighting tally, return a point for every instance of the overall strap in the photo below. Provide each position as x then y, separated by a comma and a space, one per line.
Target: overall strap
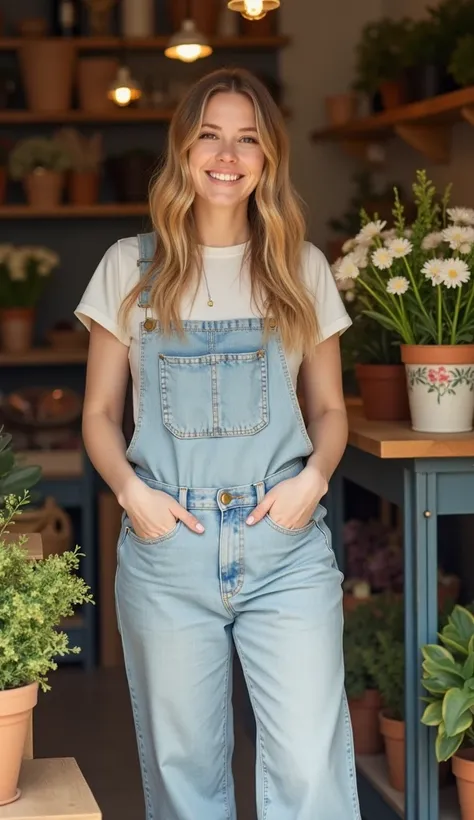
146, 252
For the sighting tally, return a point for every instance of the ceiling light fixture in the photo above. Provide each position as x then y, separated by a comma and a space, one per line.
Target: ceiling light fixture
188, 44
253, 9
124, 89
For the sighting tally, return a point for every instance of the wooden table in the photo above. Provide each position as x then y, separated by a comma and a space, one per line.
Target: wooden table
426, 476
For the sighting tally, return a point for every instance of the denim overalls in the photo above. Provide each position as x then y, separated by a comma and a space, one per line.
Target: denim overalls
218, 426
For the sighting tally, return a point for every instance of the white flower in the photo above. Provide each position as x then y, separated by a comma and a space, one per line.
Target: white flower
388, 235
458, 235
400, 247
335, 266
454, 273
465, 248
432, 240
463, 216
359, 256
17, 264
382, 258
433, 270
408, 232
398, 285
348, 245
347, 269
370, 231
349, 296
346, 284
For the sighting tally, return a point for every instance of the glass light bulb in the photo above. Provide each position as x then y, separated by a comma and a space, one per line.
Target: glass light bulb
253, 8
123, 95
188, 52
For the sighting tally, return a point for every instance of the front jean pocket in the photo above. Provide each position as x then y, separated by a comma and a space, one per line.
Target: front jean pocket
229, 394
315, 520
152, 542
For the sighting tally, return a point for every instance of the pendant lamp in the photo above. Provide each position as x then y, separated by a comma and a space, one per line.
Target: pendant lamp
253, 9
188, 44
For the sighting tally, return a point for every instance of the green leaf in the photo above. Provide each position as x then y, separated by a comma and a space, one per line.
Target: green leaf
468, 668
455, 645
446, 672
435, 652
456, 712
463, 622
433, 685
20, 479
447, 746
385, 321
5, 441
433, 716
7, 462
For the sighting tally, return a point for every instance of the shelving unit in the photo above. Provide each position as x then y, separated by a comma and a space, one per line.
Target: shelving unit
100, 211
44, 355
158, 43
115, 116
425, 125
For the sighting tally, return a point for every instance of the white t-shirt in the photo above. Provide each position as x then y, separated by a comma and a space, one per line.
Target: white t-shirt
229, 286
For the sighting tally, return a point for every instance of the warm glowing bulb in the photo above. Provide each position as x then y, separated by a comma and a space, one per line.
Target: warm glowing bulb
122, 96
253, 8
188, 52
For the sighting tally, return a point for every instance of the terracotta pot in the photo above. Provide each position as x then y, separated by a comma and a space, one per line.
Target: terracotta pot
204, 14
48, 69
440, 387
341, 108
83, 187
16, 706
3, 185
394, 93
94, 76
393, 732
383, 388
43, 189
16, 329
463, 769
364, 713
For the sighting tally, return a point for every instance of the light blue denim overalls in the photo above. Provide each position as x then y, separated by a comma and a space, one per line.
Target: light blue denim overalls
218, 426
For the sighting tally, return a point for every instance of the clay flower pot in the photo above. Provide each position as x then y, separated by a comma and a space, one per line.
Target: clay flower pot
383, 388
364, 713
394, 93
47, 67
440, 387
393, 732
44, 189
16, 329
341, 108
463, 769
94, 76
16, 706
83, 187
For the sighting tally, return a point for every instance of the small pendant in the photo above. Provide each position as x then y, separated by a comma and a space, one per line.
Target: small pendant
149, 324
210, 303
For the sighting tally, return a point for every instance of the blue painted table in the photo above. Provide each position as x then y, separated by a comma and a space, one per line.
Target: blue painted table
426, 476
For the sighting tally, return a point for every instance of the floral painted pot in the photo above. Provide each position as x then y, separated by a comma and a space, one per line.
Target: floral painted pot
440, 381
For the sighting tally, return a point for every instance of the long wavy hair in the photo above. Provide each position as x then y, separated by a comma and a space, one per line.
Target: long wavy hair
275, 215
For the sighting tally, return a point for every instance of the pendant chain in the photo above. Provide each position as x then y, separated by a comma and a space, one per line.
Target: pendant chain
210, 300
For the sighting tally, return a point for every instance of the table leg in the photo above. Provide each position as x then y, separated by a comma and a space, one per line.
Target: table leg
421, 621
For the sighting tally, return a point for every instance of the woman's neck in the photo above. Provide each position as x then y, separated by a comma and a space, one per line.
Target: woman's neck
221, 227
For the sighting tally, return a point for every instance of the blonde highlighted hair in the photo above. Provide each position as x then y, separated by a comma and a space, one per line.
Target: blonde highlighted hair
276, 221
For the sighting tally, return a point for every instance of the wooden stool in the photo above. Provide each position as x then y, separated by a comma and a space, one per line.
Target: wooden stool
52, 789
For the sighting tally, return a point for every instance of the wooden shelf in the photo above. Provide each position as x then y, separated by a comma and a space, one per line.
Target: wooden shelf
113, 115
157, 43
99, 211
54, 463
425, 125
374, 769
44, 355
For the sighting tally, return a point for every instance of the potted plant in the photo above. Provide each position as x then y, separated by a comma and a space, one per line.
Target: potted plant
24, 273
15, 478
381, 60
40, 163
34, 597
461, 66
448, 677
426, 75
86, 155
453, 19
420, 279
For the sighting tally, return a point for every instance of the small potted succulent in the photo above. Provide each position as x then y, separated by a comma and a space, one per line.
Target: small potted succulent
40, 164
86, 154
381, 61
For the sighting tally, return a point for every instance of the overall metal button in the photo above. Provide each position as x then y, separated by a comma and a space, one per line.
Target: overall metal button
272, 323
226, 498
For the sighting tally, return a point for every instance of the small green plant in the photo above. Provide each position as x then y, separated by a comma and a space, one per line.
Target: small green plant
385, 659
381, 53
360, 636
34, 597
24, 273
461, 66
15, 479
448, 677
36, 153
451, 19
86, 153
422, 43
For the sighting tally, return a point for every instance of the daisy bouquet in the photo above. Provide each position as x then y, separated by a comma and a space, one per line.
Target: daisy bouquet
416, 279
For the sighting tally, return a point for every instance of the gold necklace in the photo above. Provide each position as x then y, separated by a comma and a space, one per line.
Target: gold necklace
210, 300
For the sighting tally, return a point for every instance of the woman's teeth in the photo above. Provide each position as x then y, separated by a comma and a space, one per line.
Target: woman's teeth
225, 177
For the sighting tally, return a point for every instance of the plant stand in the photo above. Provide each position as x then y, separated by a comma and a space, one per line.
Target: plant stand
426, 476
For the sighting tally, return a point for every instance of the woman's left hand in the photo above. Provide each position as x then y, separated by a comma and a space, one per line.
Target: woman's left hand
292, 502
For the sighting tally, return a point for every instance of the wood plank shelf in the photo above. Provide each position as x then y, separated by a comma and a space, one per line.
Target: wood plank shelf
52, 789
44, 355
55, 464
398, 440
99, 211
425, 125
118, 115
158, 43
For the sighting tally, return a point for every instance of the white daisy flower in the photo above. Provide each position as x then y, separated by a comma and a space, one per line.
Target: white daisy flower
458, 235
370, 231
455, 273
398, 285
463, 216
433, 270
465, 248
400, 247
347, 269
346, 284
432, 240
382, 258
360, 256
348, 245
389, 234
335, 266
349, 296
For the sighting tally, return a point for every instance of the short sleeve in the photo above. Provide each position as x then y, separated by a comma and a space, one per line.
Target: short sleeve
103, 296
332, 315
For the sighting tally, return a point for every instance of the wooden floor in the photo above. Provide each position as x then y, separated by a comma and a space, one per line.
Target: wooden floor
88, 716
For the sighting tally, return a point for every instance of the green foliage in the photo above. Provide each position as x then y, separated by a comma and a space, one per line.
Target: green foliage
452, 19
15, 479
360, 637
461, 66
35, 153
24, 274
448, 677
34, 597
385, 659
422, 47
381, 53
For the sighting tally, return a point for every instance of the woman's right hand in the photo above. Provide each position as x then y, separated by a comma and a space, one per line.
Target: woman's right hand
154, 513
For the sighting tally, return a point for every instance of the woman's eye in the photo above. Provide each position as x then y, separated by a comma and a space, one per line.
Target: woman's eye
207, 135
250, 140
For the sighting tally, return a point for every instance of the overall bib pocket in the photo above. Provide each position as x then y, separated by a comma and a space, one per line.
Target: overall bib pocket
229, 392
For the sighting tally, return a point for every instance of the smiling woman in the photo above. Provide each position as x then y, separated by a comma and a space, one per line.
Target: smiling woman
223, 541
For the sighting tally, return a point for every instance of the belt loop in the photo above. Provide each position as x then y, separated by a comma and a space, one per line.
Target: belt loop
260, 487
183, 497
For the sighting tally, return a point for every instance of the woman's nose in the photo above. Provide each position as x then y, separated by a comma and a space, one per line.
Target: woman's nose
226, 153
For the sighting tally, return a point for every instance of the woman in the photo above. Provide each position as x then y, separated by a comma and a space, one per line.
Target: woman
223, 541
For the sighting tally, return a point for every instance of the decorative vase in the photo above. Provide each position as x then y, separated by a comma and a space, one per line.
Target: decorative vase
16, 329
394, 93
383, 388
341, 108
94, 77
204, 14
364, 712
44, 189
48, 71
440, 387
51, 521
463, 769
393, 732
138, 18
83, 187
16, 706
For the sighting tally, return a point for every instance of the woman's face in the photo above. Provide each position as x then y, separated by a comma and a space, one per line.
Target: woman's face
226, 161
